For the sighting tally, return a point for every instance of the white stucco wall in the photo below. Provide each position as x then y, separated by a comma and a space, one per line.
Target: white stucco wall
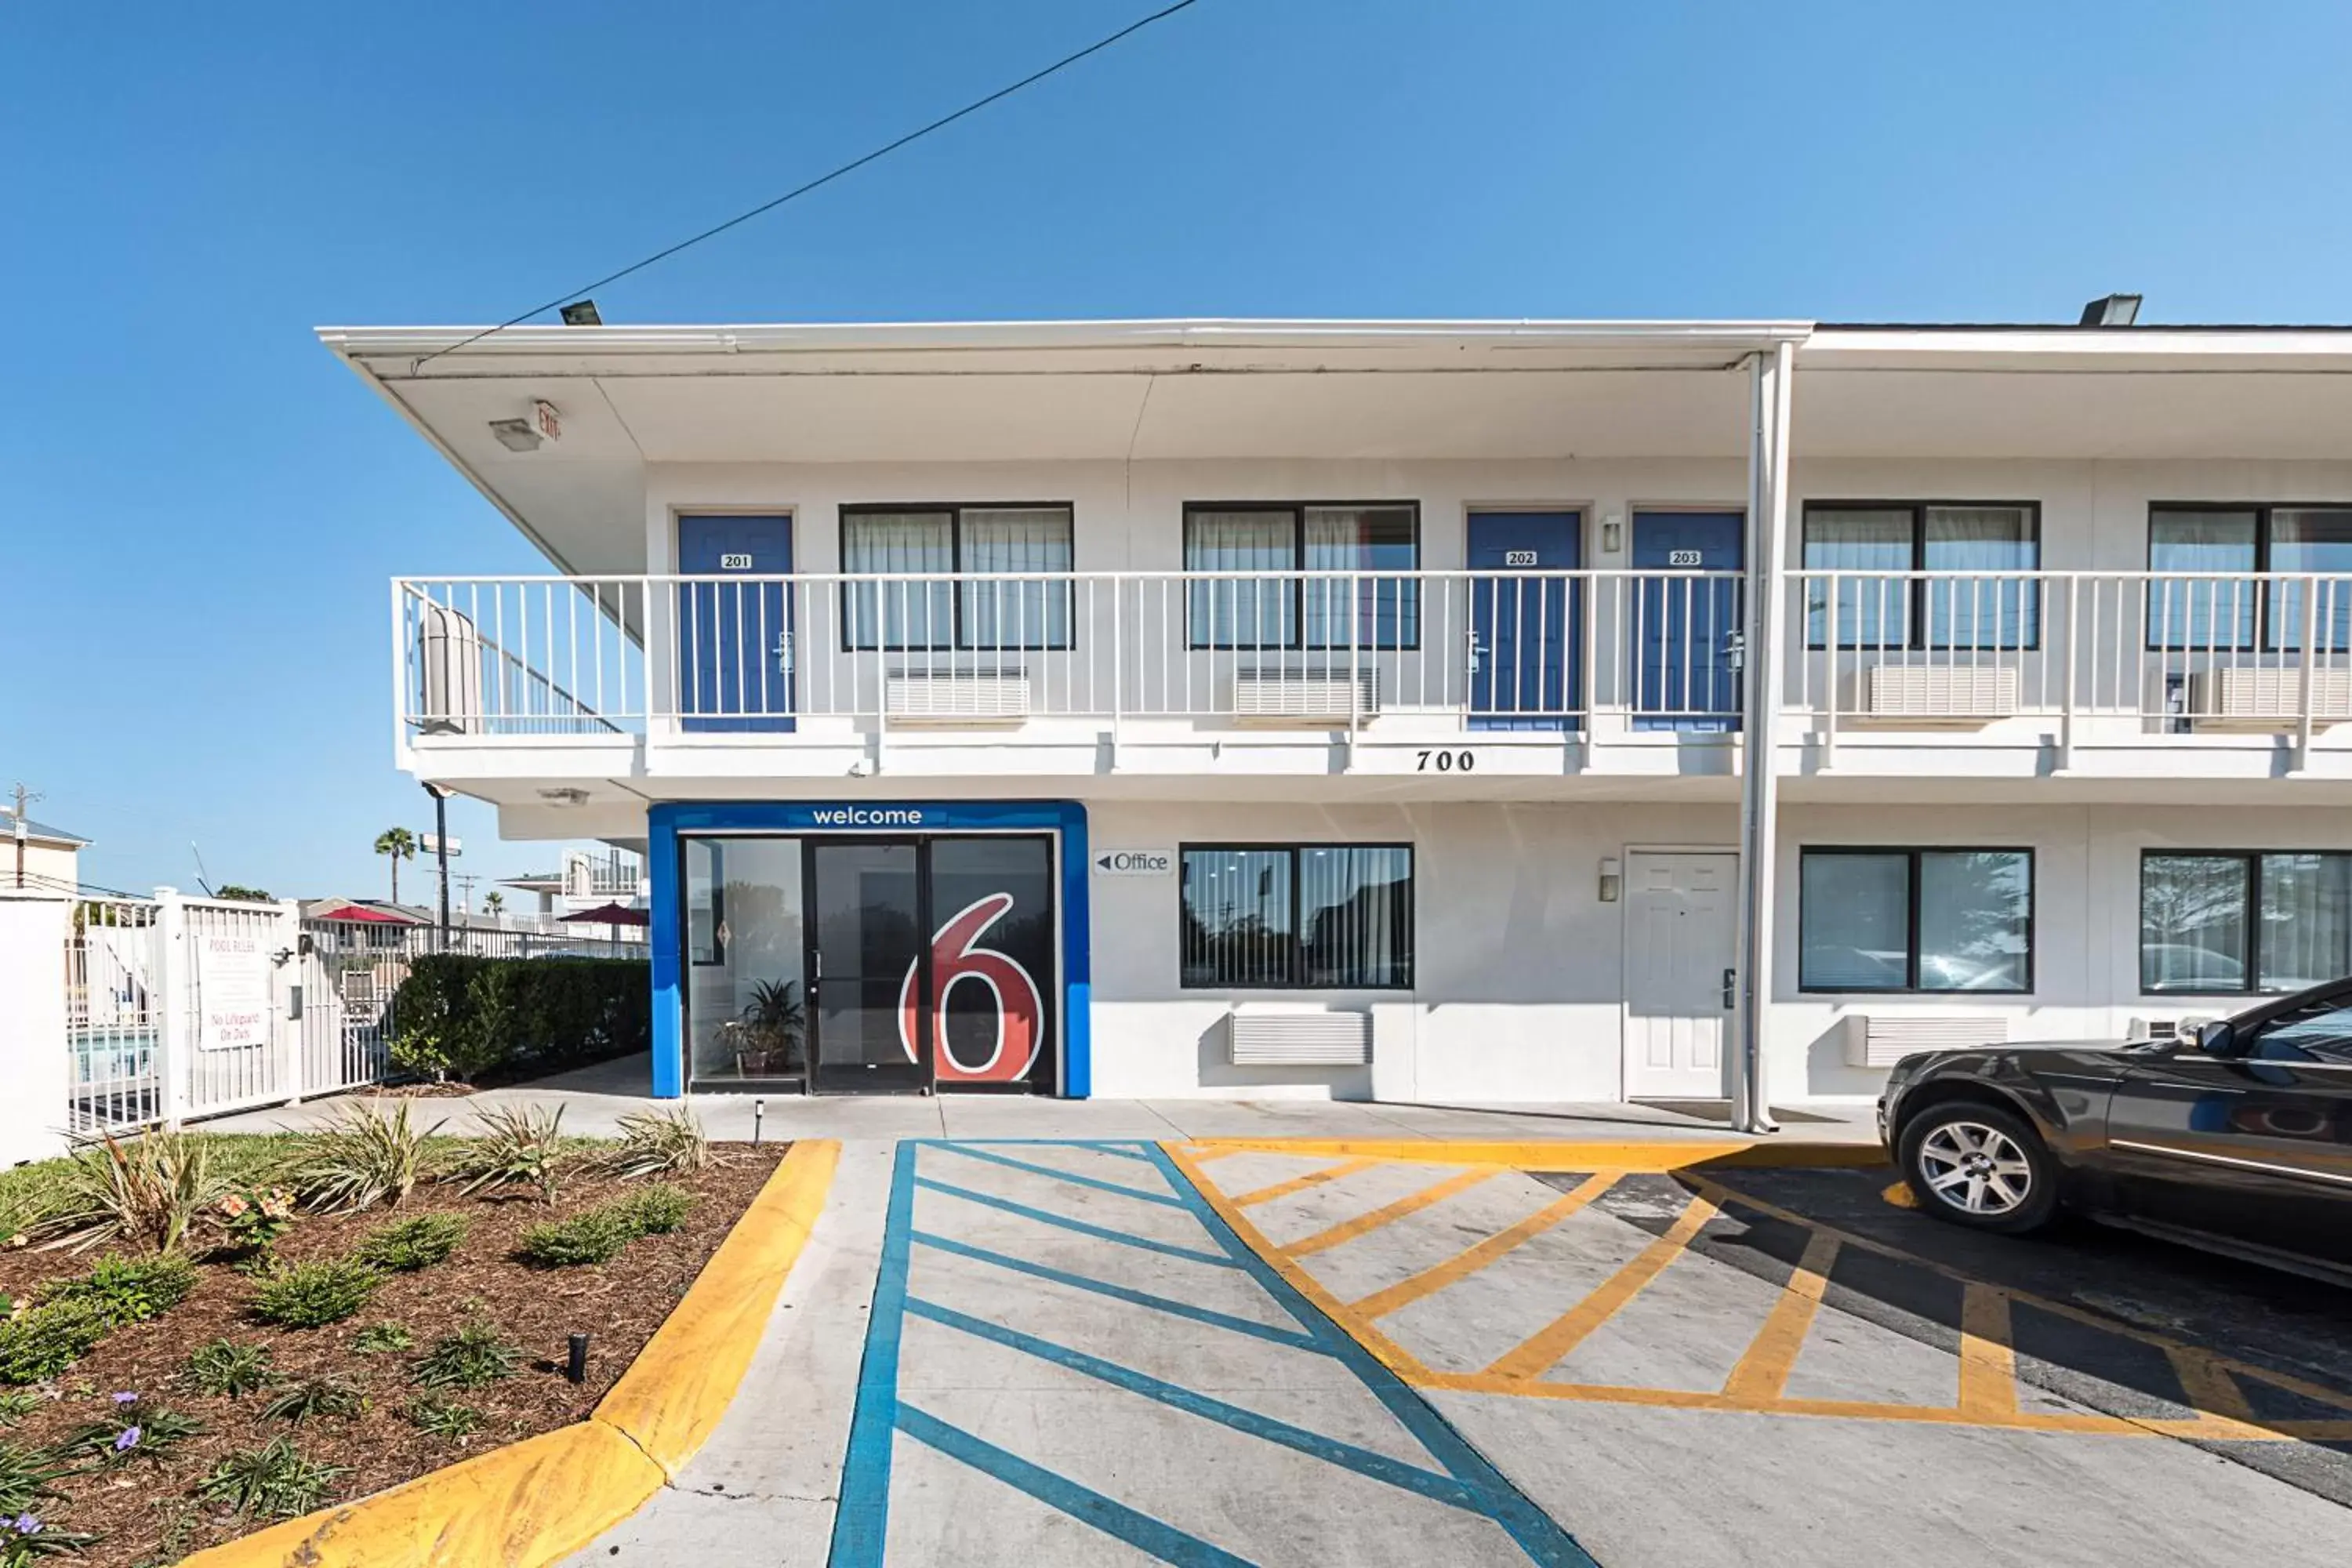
33, 1025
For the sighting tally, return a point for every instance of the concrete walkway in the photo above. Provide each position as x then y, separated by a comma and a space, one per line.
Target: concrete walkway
595, 1098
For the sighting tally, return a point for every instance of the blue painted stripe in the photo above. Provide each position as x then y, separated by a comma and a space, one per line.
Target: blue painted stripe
861, 1521
1537, 1534
1100, 1233
1125, 1149
1140, 1530
970, 1152
1444, 1488
1293, 1338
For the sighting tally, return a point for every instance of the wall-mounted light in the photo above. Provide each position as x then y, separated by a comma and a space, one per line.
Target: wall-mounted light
565, 795
581, 313
1613, 535
1611, 880
515, 435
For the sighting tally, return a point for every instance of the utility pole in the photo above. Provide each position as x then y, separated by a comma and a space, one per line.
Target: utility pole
441, 793
24, 797
466, 880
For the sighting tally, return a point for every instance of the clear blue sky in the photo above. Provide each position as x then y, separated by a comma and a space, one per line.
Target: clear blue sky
201, 508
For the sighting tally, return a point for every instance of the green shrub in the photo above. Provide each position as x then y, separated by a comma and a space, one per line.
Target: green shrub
653, 1211
519, 1145
128, 1290
596, 1236
660, 1143
361, 1159
443, 1418
458, 1016
273, 1481
378, 1337
315, 1396
314, 1294
141, 1192
16, 1404
407, 1245
230, 1370
133, 1434
43, 1342
473, 1356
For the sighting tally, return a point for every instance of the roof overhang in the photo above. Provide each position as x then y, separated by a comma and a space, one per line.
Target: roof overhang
631, 398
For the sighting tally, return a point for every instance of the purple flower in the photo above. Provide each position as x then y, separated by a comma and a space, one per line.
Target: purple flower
128, 1441
26, 1524
126, 1399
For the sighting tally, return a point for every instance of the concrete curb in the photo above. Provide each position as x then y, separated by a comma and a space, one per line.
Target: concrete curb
1650, 1156
533, 1503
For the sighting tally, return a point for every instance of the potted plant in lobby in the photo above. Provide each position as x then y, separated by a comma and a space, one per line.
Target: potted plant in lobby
768, 1036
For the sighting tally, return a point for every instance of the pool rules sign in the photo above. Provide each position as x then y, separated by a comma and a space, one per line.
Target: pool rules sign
232, 991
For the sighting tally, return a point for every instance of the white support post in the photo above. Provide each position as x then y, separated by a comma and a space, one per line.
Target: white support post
2310, 671
288, 980
175, 1013
1768, 508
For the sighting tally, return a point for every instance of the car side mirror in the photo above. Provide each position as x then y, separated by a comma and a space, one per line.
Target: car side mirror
2217, 1038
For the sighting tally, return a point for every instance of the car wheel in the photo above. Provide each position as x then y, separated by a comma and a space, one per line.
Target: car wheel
1980, 1166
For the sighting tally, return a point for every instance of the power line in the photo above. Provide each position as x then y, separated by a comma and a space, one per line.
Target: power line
825, 179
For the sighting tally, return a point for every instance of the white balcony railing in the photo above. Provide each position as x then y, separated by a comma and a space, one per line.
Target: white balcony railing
586, 657
2130, 655
2161, 652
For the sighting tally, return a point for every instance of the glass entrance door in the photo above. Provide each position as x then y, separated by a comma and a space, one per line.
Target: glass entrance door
867, 954
931, 962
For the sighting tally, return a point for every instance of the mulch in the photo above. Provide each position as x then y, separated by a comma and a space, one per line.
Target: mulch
143, 1512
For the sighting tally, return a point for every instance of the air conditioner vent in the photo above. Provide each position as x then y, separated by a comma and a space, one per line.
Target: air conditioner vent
2266, 697
957, 699
1940, 694
1265, 1039
1290, 699
1882, 1039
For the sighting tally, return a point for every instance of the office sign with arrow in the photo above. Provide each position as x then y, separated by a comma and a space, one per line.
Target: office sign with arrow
1134, 862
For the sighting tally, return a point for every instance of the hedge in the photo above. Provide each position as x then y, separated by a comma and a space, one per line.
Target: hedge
458, 1016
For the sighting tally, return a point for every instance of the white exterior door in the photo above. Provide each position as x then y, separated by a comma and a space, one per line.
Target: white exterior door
1679, 934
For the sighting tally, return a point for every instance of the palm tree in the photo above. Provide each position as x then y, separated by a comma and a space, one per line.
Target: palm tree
401, 845
494, 903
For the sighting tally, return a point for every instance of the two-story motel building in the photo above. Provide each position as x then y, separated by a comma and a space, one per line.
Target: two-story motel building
1359, 708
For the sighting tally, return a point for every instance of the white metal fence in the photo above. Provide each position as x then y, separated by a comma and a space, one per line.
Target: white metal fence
599, 656
178, 1008
2175, 652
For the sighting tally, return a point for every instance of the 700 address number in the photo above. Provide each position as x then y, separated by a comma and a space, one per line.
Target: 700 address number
1444, 761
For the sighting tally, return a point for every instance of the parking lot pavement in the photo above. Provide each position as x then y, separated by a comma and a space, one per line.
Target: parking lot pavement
1071, 1359
1717, 1368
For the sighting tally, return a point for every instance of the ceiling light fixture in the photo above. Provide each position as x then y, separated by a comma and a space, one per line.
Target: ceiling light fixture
515, 435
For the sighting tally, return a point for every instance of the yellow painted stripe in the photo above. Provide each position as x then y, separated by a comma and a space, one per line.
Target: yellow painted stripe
2241, 1369
1300, 1183
535, 1502
1988, 1362
1389, 1354
1763, 1370
1647, 1155
1548, 1345
1387, 1214
1407, 1291
2209, 1385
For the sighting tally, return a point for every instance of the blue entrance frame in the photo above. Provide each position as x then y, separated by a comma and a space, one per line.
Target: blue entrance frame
1064, 819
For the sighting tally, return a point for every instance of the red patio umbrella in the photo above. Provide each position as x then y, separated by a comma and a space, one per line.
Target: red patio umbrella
609, 915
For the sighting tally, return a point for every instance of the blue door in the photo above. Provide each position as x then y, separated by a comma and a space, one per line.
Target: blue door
735, 637
1524, 631
1685, 675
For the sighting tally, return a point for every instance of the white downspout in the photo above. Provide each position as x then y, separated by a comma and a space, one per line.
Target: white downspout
1759, 791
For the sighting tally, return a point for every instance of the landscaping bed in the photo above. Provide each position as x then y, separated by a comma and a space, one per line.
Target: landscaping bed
488, 1322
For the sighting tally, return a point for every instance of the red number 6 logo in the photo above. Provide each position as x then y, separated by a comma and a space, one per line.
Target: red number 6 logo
1019, 1010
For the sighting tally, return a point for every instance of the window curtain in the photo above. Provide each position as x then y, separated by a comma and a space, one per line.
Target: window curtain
1385, 603
1979, 611
2192, 923
1975, 913
2306, 904
1853, 922
1356, 906
2308, 539
1024, 615
898, 616
2188, 614
1872, 611
1236, 918
1242, 613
